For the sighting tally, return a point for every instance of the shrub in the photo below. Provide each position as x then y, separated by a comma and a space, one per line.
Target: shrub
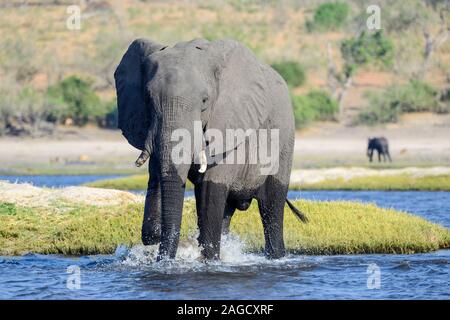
303, 112
328, 16
316, 105
365, 49
381, 110
415, 96
292, 72
387, 106
325, 106
74, 98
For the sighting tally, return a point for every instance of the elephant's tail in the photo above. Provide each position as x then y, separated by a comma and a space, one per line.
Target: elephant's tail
297, 212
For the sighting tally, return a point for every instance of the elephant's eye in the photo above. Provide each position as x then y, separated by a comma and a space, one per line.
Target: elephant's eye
204, 99
197, 47
162, 48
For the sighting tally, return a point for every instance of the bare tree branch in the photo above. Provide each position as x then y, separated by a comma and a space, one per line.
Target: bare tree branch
433, 42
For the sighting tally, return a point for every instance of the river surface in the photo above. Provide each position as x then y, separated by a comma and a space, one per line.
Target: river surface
56, 181
132, 273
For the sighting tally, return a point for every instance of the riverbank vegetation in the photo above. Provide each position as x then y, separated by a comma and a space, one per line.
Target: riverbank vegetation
93, 221
134, 182
414, 96
401, 182
315, 45
404, 182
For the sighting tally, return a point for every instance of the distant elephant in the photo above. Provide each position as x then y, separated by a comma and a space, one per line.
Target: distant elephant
221, 85
381, 145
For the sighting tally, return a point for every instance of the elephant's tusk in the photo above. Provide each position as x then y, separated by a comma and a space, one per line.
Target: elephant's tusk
142, 158
203, 161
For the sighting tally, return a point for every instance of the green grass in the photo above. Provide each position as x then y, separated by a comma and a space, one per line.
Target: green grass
389, 182
393, 182
333, 228
134, 182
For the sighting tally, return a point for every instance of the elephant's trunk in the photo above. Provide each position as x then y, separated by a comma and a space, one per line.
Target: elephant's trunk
172, 182
172, 198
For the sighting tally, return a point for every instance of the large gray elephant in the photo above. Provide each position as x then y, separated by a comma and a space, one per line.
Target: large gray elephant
221, 85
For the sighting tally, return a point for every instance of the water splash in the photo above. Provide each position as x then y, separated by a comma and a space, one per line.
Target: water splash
189, 259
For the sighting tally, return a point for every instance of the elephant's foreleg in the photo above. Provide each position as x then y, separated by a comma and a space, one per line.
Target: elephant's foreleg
370, 155
211, 202
151, 226
271, 207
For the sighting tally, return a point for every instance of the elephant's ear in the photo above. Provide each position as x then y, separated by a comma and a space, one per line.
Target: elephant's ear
242, 90
134, 116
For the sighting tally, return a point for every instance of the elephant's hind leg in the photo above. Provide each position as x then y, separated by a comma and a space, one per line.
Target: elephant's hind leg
271, 207
151, 226
389, 156
227, 215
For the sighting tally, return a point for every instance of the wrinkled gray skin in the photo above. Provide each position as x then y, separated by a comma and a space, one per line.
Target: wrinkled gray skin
221, 83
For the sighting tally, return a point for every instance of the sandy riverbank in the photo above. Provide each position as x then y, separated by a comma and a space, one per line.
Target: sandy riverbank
420, 140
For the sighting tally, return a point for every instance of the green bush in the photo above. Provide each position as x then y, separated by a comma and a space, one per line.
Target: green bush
381, 110
292, 72
303, 112
325, 106
74, 98
414, 96
328, 16
315, 105
365, 49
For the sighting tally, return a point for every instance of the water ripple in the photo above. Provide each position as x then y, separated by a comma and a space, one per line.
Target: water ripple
134, 273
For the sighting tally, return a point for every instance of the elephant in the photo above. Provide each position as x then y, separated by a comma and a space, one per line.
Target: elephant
217, 86
381, 145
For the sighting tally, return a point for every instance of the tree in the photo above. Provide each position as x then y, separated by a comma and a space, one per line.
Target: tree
364, 49
421, 17
434, 41
74, 98
328, 16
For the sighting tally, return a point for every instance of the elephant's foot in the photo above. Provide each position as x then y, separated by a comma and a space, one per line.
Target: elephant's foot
150, 241
150, 237
210, 252
275, 253
209, 249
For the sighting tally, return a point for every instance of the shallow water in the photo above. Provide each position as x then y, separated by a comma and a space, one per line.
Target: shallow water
134, 274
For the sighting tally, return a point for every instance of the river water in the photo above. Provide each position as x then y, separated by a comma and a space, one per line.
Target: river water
132, 273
